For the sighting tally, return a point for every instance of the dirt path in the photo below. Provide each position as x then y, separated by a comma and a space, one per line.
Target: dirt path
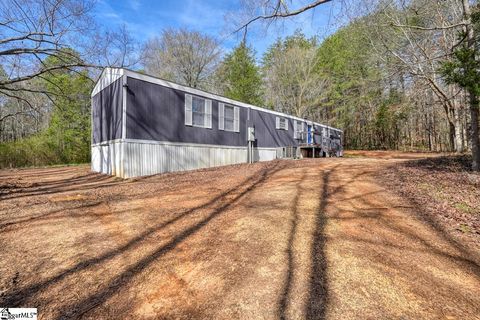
316, 239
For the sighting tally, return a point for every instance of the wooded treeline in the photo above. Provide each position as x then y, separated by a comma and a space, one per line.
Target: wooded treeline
399, 75
51, 52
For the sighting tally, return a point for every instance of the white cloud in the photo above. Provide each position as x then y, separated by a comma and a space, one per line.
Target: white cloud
112, 15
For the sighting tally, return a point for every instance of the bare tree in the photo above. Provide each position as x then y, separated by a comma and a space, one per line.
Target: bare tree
118, 48
19, 119
292, 84
35, 29
429, 31
33, 34
183, 56
419, 39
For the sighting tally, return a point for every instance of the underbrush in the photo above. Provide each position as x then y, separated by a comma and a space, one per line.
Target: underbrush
41, 150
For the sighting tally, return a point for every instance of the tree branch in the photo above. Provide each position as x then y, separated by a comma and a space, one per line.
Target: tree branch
279, 14
453, 26
46, 70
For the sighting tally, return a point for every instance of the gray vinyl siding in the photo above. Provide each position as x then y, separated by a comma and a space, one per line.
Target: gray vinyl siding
157, 113
107, 106
317, 134
267, 136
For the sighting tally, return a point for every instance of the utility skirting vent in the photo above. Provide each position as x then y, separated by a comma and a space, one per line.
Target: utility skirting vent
287, 153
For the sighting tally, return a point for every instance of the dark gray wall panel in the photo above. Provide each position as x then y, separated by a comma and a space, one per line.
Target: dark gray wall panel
157, 113
267, 135
317, 134
107, 106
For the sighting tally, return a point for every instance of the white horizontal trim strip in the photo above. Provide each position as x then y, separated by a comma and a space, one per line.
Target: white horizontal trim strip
104, 143
187, 144
168, 84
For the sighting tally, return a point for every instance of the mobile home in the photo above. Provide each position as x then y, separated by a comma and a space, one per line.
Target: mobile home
142, 125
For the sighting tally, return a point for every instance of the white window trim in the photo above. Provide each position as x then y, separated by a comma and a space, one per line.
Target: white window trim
278, 123
298, 129
188, 110
207, 121
221, 117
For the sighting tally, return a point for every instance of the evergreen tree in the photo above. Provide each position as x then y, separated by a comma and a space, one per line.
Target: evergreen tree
66, 139
69, 130
464, 70
240, 76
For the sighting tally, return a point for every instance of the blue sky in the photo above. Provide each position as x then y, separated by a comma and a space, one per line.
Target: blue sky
145, 19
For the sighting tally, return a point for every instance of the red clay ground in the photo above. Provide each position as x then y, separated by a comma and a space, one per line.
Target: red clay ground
315, 239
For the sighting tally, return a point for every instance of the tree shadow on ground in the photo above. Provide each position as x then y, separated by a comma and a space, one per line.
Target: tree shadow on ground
318, 301
285, 293
80, 183
318, 295
393, 244
217, 205
51, 215
421, 209
80, 308
456, 163
367, 210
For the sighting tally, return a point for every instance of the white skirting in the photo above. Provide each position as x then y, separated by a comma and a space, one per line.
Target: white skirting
106, 158
134, 158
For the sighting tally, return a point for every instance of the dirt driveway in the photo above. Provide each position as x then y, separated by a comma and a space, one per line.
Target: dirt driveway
315, 239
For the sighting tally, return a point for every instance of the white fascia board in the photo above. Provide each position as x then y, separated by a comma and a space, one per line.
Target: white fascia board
186, 144
168, 84
328, 127
106, 143
108, 76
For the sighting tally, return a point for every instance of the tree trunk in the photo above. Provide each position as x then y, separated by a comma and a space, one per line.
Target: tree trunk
466, 140
451, 135
458, 130
475, 133
471, 92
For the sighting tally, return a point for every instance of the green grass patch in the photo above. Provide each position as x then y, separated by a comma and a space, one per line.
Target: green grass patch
464, 207
464, 228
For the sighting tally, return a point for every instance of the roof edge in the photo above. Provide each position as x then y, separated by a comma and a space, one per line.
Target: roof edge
107, 77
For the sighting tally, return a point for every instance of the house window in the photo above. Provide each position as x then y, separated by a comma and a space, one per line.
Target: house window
281, 123
228, 118
298, 129
198, 111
